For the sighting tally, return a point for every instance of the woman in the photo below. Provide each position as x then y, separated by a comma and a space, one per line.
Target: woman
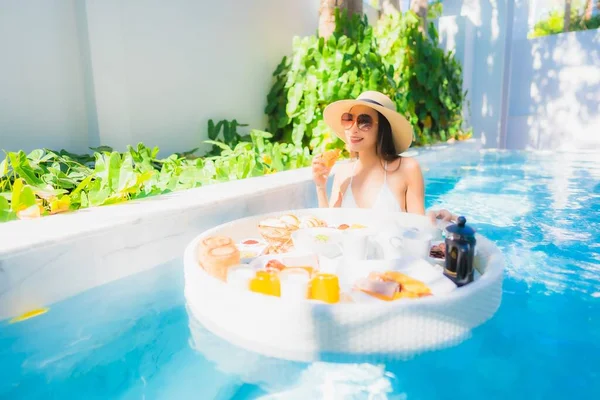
375, 134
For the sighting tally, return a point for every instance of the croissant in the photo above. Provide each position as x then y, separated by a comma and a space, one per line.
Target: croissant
330, 157
311, 222
277, 232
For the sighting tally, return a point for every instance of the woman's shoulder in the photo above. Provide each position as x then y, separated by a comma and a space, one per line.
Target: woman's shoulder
404, 164
405, 167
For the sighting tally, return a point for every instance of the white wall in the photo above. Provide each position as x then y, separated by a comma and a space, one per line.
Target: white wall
555, 92
42, 100
478, 29
117, 72
541, 93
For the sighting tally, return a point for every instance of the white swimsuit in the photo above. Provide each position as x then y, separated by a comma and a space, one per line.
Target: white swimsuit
385, 199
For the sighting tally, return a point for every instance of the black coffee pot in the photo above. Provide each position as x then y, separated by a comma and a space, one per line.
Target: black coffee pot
460, 252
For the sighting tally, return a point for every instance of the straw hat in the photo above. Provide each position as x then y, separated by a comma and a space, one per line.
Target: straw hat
402, 131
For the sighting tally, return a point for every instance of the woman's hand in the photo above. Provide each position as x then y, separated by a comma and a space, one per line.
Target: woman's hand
320, 171
443, 215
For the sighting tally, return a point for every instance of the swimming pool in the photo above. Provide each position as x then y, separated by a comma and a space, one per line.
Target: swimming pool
133, 339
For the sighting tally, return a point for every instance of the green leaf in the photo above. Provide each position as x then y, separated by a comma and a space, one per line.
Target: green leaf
114, 170
3, 168
36, 155
27, 198
16, 194
101, 149
5, 212
127, 177
21, 166
97, 194
294, 98
221, 145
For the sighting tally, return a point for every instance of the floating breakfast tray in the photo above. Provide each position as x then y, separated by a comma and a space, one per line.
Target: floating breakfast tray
306, 330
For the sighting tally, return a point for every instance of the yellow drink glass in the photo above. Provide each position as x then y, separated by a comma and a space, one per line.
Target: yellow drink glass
266, 282
325, 287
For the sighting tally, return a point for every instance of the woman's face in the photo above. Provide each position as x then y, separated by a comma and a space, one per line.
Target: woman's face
360, 127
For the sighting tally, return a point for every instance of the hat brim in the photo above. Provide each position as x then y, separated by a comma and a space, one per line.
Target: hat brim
402, 131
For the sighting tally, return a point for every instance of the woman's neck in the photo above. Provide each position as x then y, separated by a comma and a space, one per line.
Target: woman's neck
368, 159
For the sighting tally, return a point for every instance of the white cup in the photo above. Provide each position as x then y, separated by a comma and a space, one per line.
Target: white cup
294, 283
355, 244
416, 243
239, 276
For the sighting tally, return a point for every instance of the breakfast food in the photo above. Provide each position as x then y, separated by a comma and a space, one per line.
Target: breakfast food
343, 227
330, 157
382, 289
438, 251
250, 249
216, 254
409, 287
277, 232
308, 221
278, 266
392, 285
274, 265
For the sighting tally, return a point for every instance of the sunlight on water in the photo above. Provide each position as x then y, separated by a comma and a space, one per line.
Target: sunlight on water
133, 339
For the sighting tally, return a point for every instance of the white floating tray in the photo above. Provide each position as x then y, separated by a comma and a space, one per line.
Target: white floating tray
310, 331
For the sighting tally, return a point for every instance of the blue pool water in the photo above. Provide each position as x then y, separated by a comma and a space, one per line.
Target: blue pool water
132, 339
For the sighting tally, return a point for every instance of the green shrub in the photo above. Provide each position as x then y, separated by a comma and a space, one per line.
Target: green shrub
319, 72
47, 182
554, 23
429, 80
394, 58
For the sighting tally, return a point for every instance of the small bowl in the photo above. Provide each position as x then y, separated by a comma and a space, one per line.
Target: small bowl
318, 240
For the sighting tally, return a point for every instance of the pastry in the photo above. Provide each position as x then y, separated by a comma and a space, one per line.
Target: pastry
330, 157
216, 254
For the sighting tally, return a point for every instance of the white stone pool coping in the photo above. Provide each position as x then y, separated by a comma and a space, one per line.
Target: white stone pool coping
46, 260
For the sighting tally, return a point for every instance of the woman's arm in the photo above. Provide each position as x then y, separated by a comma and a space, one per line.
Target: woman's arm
336, 195
415, 192
336, 198
322, 196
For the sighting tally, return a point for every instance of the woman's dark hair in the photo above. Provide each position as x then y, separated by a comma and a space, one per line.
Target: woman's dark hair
385, 141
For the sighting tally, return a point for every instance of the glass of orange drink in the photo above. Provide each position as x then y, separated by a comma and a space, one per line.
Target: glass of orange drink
266, 282
325, 287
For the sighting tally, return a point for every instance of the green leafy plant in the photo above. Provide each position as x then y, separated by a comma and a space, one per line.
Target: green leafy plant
429, 78
228, 131
394, 58
319, 72
46, 182
554, 23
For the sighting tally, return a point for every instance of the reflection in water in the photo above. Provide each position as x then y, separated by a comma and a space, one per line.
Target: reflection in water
293, 380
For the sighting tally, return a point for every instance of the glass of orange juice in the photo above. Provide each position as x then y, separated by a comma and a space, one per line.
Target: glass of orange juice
325, 287
266, 282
